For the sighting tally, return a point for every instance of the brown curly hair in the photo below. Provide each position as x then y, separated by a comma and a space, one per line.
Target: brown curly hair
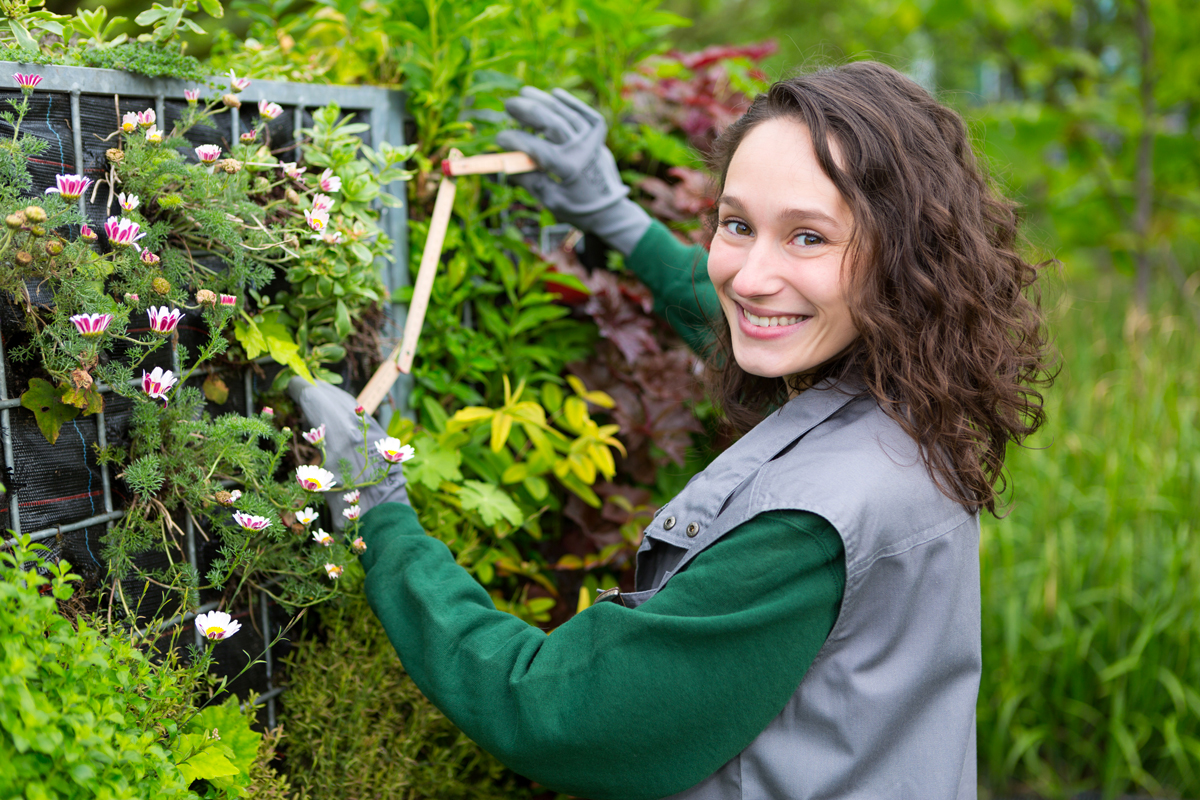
952, 341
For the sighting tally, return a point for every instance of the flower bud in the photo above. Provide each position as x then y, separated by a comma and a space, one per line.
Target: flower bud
37, 230
261, 185
292, 197
224, 498
130, 297
161, 285
114, 155
35, 213
206, 297
54, 247
231, 101
15, 221
24, 258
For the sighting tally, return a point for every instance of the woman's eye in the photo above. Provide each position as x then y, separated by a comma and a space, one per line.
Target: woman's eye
736, 227
808, 239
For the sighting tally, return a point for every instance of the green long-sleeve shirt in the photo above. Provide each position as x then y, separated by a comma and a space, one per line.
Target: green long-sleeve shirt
619, 703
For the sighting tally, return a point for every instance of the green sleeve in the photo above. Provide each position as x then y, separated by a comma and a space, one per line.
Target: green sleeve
617, 702
677, 276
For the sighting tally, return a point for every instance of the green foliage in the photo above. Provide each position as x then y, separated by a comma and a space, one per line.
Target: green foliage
358, 726
1090, 585
89, 38
82, 713
219, 746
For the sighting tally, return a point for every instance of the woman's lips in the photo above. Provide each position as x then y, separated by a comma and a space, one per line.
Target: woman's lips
768, 326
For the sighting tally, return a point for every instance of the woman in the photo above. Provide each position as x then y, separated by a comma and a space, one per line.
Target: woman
806, 619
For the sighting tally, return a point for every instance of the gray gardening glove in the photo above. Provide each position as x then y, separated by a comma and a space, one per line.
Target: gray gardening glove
581, 184
324, 404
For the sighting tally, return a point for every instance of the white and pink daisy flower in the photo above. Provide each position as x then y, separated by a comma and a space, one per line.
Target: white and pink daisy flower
322, 538
249, 137
322, 203
147, 118
332, 237
351, 497
292, 171
250, 522
236, 83
150, 258
314, 478
91, 325
358, 545
27, 81
269, 110
217, 625
129, 122
352, 512
69, 187
333, 571
330, 182
317, 220
87, 234
307, 516
208, 153
164, 320
154, 135
316, 435
123, 232
228, 300
192, 96
129, 202
393, 452
158, 382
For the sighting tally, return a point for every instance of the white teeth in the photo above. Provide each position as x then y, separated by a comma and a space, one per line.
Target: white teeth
769, 322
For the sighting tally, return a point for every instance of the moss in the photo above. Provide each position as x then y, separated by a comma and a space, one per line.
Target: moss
141, 59
357, 726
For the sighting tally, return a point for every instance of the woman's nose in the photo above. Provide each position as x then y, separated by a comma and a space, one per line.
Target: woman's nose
759, 273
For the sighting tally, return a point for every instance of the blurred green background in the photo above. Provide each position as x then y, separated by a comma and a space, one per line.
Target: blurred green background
1088, 113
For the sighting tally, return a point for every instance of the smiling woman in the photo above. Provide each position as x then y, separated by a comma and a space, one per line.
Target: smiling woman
805, 620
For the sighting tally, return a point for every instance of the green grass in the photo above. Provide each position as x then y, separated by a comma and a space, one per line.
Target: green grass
1091, 585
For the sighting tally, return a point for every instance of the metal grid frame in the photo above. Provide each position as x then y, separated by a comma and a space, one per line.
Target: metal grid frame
386, 114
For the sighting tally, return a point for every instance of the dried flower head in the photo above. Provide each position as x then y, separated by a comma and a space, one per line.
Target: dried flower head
206, 297
114, 155
35, 214
358, 545
230, 165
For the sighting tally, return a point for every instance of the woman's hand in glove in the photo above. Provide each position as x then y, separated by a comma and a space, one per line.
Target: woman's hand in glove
324, 404
580, 184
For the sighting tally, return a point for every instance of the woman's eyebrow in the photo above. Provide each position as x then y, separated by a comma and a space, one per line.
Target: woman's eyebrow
789, 214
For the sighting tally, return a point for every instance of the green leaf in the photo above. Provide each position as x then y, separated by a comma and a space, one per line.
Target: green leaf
283, 349
89, 400
22, 34
45, 401
490, 502
212, 8
215, 389
250, 338
341, 320
201, 758
435, 466
152, 15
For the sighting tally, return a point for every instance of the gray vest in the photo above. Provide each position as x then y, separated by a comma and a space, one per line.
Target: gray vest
887, 709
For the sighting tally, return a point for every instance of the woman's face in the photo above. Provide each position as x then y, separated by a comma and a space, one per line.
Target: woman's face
777, 257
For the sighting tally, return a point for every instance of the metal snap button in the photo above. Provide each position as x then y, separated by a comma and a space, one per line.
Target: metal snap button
668, 523
692, 529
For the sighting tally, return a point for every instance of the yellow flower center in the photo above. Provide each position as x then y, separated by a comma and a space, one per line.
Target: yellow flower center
214, 632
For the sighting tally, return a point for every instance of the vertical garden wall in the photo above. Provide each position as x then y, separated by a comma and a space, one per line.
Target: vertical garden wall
65, 490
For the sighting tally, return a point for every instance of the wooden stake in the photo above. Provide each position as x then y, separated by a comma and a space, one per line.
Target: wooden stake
400, 360
509, 163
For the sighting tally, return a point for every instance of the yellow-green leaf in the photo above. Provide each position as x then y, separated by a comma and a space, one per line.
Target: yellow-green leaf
44, 399
501, 425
